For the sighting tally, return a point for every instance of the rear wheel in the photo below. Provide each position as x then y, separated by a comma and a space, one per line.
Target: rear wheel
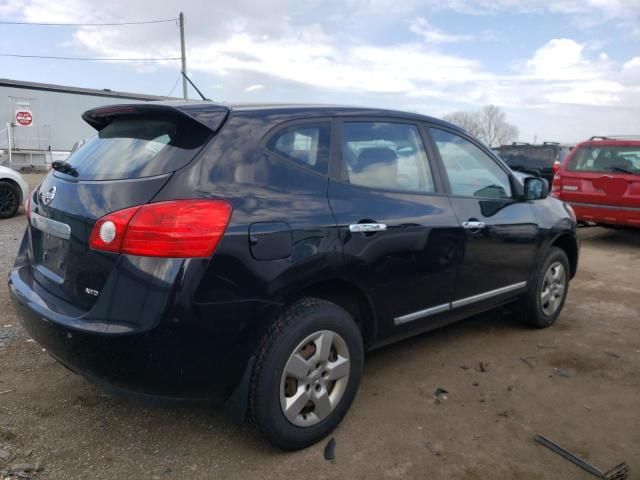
9, 199
307, 373
543, 302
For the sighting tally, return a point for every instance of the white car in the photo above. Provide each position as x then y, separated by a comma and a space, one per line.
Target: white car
13, 191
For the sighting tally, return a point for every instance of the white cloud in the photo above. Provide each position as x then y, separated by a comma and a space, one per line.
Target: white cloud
305, 51
396, 68
421, 27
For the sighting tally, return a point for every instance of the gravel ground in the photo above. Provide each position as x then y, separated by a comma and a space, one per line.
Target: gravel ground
579, 385
10, 234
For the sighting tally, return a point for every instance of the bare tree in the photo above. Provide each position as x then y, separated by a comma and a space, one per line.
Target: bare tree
489, 124
495, 130
469, 121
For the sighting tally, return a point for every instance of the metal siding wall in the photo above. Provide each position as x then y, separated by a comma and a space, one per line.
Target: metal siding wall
61, 111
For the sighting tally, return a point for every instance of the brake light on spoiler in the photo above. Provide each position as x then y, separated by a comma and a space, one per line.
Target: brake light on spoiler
176, 229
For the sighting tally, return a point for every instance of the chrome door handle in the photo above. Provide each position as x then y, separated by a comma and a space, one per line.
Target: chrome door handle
473, 225
367, 227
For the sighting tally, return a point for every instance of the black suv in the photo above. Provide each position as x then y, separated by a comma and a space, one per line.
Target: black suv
543, 159
252, 254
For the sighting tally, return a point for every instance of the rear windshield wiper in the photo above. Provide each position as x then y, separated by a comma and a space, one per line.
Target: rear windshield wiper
624, 170
64, 167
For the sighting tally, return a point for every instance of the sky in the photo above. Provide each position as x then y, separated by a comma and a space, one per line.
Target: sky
562, 70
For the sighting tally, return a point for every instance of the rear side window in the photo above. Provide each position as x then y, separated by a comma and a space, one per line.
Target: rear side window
307, 144
138, 147
606, 159
385, 155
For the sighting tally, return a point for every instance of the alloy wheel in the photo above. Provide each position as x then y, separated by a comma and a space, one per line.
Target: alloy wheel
553, 287
315, 378
8, 200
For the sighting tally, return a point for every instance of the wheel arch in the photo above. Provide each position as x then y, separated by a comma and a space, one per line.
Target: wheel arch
347, 295
569, 245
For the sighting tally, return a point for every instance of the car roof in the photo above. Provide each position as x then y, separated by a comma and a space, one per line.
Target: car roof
307, 109
610, 142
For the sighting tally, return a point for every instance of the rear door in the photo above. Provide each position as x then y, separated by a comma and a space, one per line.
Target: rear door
500, 234
400, 237
605, 175
129, 160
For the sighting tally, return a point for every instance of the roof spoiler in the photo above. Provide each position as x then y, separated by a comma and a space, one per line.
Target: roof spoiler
209, 115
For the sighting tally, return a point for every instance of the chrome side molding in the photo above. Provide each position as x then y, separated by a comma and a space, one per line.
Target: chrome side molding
422, 313
484, 296
410, 317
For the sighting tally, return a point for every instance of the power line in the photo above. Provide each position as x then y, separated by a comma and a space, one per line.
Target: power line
90, 59
2, 22
174, 85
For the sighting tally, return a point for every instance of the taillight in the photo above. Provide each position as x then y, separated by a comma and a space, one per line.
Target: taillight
27, 206
178, 229
556, 166
117, 222
556, 186
27, 203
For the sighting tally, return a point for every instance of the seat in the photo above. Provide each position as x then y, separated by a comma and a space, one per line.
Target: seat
376, 167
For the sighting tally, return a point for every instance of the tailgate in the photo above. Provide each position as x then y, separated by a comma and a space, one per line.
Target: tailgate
126, 164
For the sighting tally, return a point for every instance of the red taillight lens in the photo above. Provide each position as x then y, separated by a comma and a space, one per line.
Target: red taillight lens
118, 221
556, 186
27, 206
556, 166
27, 202
178, 229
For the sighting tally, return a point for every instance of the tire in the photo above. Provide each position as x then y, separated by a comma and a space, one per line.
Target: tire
532, 309
298, 340
9, 199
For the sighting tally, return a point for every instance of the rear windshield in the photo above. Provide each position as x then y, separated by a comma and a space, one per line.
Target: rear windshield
606, 159
138, 147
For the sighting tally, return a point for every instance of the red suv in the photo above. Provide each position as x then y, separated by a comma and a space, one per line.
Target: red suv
600, 178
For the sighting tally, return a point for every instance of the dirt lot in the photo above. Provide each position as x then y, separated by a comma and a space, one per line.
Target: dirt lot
395, 429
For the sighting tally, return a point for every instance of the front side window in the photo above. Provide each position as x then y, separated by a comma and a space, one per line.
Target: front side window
385, 155
606, 159
307, 144
471, 172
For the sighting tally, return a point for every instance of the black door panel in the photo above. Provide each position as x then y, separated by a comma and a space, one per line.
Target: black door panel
500, 253
410, 266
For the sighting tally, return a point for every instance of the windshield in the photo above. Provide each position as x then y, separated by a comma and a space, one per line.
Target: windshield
606, 159
138, 147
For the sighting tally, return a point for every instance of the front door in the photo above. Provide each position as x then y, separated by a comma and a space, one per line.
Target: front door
400, 237
501, 234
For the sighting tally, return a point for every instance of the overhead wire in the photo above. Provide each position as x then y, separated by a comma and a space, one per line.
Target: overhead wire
90, 59
109, 24
174, 85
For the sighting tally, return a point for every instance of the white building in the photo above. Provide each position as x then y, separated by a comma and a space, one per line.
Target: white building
41, 122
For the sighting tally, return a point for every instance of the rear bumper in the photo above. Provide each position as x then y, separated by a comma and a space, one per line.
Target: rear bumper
607, 214
197, 353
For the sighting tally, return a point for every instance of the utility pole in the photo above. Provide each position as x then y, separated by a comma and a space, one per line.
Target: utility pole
184, 56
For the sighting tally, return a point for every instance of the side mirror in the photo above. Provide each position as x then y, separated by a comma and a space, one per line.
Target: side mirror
535, 188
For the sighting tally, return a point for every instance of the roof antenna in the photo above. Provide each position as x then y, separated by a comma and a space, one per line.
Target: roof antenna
194, 86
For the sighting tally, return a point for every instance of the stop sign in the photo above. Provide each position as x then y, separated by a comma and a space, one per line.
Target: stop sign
24, 118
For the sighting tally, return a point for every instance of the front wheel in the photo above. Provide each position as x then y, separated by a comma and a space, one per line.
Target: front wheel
307, 373
542, 304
